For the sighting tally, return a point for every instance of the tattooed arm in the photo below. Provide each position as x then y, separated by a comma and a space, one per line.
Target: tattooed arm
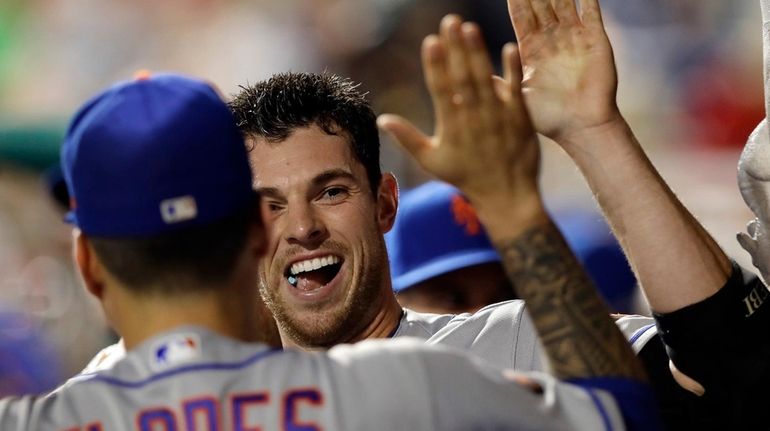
485, 145
572, 320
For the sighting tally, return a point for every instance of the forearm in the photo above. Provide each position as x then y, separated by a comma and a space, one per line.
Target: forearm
579, 338
675, 260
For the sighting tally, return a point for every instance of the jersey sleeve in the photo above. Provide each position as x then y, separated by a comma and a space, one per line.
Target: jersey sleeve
723, 342
19, 413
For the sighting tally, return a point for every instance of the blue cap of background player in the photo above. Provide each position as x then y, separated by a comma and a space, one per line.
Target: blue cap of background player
153, 155
436, 232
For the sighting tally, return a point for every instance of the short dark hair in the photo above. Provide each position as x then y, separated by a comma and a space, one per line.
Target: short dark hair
178, 261
273, 108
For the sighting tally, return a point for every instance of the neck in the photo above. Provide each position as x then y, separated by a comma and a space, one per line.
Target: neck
224, 311
384, 322
381, 325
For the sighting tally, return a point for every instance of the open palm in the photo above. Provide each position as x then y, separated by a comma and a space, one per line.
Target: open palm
569, 79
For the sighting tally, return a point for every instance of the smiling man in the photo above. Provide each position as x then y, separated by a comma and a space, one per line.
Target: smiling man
315, 157
323, 276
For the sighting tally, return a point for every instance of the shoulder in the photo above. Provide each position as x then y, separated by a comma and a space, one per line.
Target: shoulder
428, 325
106, 358
502, 334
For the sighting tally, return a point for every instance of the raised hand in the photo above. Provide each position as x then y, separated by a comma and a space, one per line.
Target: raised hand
569, 79
483, 142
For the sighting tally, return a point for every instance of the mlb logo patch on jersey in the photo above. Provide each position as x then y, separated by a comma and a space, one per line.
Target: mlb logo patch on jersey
179, 209
175, 349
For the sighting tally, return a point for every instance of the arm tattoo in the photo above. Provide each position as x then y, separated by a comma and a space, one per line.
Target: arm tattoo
579, 337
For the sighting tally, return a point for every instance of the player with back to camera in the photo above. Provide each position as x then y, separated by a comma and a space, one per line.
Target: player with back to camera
167, 238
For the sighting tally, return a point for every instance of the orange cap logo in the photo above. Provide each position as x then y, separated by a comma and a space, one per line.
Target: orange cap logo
465, 215
142, 75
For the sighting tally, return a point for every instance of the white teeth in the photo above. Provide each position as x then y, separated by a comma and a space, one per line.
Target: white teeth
313, 264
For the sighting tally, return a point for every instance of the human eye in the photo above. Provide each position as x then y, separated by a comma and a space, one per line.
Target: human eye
333, 194
272, 206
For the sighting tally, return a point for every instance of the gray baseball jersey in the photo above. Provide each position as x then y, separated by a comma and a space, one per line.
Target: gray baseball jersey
502, 334
193, 379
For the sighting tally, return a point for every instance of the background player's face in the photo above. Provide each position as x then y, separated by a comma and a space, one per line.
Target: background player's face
325, 269
465, 290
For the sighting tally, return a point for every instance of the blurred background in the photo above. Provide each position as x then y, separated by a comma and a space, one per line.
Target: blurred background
690, 84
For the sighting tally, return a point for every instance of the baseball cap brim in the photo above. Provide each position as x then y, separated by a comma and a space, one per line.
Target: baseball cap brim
442, 266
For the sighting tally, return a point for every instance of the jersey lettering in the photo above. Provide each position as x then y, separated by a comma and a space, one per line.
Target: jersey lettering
240, 407
291, 402
201, 414
204, 413
161, 419
93, 426
755, 299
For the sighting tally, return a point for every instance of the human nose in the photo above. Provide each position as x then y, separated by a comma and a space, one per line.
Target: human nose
305, 226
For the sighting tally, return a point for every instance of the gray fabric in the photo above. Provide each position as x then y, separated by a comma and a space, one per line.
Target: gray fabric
754, 171
373, 385
502, 334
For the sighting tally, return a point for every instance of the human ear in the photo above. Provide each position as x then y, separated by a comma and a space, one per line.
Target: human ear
88, 264
387, 202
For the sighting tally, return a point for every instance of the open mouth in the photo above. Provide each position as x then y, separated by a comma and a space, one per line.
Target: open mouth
312, 274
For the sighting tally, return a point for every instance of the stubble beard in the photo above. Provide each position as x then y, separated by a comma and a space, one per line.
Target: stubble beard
340, 325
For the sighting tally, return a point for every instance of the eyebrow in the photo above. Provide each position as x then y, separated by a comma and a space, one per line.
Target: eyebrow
318, 180
332, 174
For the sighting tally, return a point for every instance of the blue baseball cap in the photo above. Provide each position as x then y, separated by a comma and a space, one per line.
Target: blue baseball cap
436, 232
598, 250
153, 155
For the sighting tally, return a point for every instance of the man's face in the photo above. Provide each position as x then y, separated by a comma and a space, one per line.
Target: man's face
324, 274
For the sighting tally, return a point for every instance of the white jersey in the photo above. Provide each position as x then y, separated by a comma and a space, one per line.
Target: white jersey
193, 379
502, 334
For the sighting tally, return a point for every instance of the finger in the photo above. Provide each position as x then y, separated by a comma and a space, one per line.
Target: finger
746, 243
751, 228
512, 66
544, 13
437, 78
522, 17
407, 135
480, 64
502, 89
686, 381
458, 64
566, 11
590, 13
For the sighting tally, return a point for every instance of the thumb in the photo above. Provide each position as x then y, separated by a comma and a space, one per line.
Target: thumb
403, 131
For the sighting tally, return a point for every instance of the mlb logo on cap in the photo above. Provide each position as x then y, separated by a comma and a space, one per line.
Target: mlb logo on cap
153, 155
178, 209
